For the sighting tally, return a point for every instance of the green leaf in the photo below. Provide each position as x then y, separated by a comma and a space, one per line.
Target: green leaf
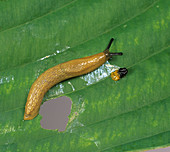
127, 115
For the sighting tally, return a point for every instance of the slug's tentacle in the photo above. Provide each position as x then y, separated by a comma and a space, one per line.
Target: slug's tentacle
110, 43
114, 54
110, 54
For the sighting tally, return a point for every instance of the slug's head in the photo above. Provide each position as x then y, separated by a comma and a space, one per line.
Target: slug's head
116, 75
109, 54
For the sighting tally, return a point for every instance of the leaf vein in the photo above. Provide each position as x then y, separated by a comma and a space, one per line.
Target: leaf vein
149, 136
39, 17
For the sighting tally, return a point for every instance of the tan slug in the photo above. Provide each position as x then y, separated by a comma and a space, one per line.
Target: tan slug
60, 73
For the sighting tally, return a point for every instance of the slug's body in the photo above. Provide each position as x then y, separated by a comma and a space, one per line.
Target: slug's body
60, 73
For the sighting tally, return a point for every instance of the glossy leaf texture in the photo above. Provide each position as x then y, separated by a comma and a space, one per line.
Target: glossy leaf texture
127, 115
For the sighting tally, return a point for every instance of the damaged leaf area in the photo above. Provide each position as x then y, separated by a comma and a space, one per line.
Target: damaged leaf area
128, 115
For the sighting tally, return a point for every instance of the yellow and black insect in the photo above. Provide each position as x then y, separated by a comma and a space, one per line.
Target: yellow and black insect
118, 74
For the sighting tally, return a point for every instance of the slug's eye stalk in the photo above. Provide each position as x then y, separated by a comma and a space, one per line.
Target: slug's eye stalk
109, 54
110, 43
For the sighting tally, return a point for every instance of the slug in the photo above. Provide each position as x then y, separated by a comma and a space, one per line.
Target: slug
60, 73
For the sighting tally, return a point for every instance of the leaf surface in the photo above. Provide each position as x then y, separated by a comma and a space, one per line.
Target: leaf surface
112, 116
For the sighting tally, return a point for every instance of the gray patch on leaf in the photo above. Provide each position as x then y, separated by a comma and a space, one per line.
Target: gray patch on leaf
55, 113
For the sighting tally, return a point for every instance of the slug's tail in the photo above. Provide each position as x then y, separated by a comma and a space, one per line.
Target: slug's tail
110, 54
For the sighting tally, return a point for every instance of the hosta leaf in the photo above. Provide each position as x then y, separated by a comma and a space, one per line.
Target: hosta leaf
127, 115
